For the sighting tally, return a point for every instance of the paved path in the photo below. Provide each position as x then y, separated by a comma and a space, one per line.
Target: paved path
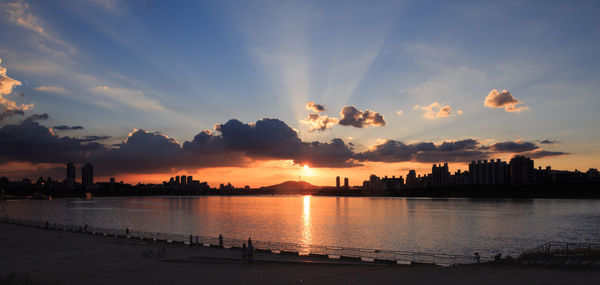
55, 257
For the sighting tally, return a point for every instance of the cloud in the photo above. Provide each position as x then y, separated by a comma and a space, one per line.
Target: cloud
350, 116
129, 97
233, 143
19, 16
548, 142
312, 106
319, 123
92, 138
504, 100
399, 112
32, 142
542, 153
37, 117
9, 107
67, 128
451, 151
435, 110
513, 147
51, 89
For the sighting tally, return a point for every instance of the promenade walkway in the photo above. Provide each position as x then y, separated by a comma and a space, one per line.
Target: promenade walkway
39, 256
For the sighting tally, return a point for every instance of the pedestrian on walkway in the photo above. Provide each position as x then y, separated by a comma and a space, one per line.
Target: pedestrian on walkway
250, 253
220, 240
244, 253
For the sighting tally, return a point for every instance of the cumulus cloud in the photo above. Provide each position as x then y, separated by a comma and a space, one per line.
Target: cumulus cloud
451, 151
350, 116
51, 89
233, 143
319, 123
504, 100
9, 107
513, 147
312, 106
67, 128
435, 110
32, 142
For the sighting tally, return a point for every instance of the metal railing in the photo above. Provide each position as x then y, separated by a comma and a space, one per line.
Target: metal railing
334, 252
555, 248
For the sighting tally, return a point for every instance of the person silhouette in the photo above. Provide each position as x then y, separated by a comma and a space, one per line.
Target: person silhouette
220, 240
244, 253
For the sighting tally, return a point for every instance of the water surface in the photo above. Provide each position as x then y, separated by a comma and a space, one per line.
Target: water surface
454, 226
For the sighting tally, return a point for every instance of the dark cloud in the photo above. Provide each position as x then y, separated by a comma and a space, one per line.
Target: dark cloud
513, 146
92, 138
504, 100
396, 151
315, 107
548, 142
141, 152
542, 153
319, 123
350, 116
30, 141
37, 117
234, 143
67, 128
4, 113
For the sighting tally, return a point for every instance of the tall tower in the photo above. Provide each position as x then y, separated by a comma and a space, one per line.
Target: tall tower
346, 182
337, 182
87, 175
70, 176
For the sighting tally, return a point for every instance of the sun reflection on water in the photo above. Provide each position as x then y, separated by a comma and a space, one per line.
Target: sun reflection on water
306, 230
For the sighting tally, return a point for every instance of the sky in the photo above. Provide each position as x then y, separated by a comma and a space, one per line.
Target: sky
249, 92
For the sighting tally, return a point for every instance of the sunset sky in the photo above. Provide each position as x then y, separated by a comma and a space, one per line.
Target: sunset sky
249, 92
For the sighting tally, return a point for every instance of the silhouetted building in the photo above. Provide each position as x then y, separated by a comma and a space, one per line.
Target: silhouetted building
70, 176
189, 179
177, 180
87, 175
521, 170
337, 182
492, 172
440, 175
392, 183
183, 179
411, 179
346, 182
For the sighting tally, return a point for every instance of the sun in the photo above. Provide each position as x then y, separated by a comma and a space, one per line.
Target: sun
306, 167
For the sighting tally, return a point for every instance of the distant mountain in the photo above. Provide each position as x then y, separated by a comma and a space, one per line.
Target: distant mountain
293, 185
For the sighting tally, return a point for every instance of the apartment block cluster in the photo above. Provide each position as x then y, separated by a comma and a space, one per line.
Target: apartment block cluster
184, 181
520, 170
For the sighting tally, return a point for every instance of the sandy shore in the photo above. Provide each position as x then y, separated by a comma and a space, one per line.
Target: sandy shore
56, 257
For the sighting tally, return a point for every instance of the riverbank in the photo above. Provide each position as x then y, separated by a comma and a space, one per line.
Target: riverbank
57, 257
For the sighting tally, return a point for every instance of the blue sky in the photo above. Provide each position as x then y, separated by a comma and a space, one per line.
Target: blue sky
179, 67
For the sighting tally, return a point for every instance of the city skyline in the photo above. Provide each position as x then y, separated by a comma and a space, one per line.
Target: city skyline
268, 93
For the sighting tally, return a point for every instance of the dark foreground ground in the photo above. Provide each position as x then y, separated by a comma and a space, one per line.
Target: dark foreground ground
36, 256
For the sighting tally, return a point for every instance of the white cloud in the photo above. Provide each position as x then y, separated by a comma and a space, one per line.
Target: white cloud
51, 89
435, 110
9, 107
129, 97
504, 100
